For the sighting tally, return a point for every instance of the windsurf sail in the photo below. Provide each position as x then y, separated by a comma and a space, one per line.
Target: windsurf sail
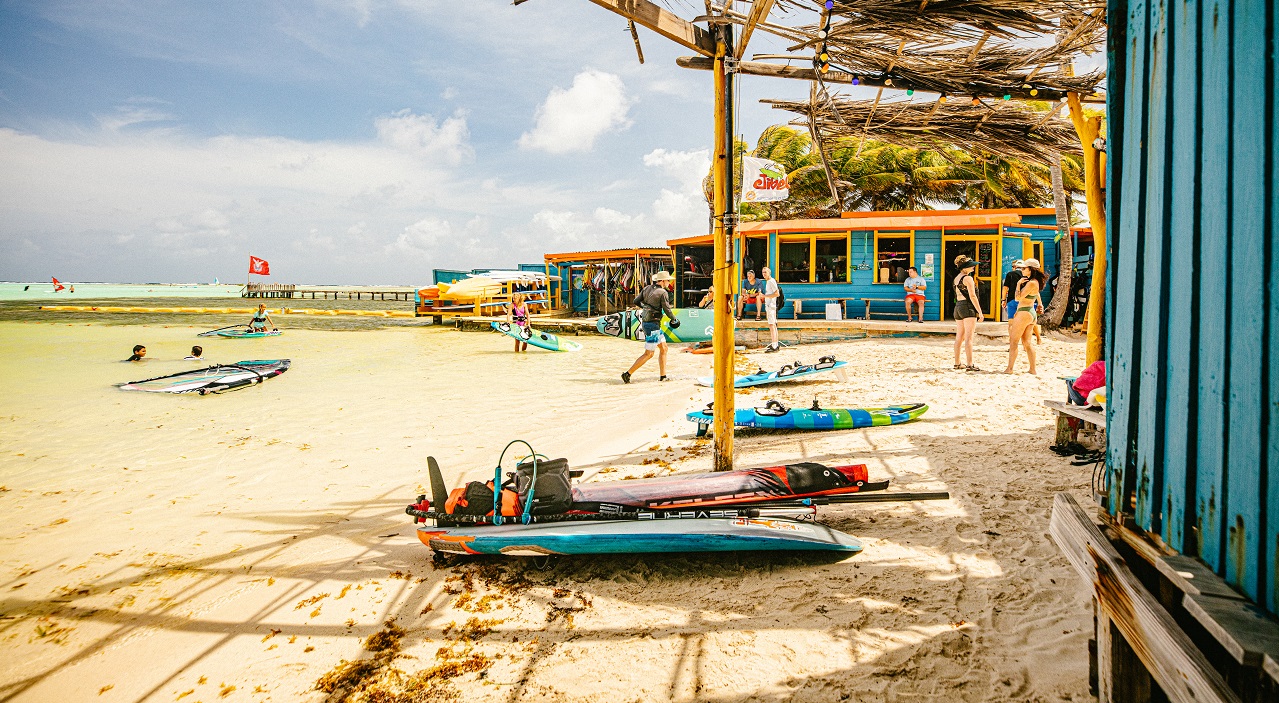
214, 333
57, 286
214, 379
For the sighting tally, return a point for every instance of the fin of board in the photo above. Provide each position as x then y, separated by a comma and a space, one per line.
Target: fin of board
439, 493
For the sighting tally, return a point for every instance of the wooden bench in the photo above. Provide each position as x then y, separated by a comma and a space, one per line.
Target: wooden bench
798, 303
868, 301
1069, 416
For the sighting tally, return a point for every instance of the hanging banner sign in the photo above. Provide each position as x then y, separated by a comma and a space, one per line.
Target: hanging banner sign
763, 181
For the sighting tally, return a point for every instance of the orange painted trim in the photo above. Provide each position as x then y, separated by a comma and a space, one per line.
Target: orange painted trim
608, 254
978, 211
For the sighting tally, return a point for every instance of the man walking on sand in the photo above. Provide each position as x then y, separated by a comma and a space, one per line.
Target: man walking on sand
771, 295
654, 301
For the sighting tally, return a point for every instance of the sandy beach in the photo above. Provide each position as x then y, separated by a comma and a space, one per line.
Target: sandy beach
251, 546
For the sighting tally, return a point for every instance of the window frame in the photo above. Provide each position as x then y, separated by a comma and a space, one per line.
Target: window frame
891, 234
811, 240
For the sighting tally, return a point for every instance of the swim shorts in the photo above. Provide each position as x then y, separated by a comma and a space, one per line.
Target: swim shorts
964, 310
653, 336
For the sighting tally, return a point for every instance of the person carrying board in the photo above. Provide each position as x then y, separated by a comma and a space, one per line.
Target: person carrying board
654, 302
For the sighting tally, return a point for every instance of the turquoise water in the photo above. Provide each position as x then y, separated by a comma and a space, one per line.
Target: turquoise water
44, 291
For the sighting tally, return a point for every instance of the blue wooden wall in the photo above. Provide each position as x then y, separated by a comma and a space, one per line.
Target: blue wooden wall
1192, 315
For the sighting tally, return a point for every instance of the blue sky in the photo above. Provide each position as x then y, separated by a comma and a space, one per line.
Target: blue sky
346, 141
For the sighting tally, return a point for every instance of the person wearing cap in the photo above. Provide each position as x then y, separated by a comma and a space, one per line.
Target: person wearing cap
654, 301
1011, 280
1023, 324
967, 309
915, 286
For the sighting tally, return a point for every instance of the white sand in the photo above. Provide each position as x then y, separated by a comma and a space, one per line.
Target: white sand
153, 544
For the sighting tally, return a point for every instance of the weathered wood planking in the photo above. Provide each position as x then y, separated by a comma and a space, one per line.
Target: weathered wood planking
1245, 460
1193, 296
664, 22
1213, 295
1123, 370
1270, 539
1151, 306
1183, 251
1182, 671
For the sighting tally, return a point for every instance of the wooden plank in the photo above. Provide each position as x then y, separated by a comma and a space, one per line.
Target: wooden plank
1214, 271
1122, 371
1182, 671
1149, 398
1092, 417
1270, 665
1248, 243
1243, 629
759, 13
1183, 243
1193, 578
1105, 664
664, 22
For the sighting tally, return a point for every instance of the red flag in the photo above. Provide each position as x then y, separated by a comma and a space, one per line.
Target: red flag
259, 266
57, 285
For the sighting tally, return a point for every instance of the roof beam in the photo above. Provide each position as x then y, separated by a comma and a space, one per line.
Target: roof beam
664, 22
759, 12
760, 68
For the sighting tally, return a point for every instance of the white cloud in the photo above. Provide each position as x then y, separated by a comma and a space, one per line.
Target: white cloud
420, 135
690, 167
135, 112
681, 208
571, 120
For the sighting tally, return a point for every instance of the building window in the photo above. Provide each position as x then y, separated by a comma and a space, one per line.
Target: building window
793, 261
831, 265
894, 253
1037, 249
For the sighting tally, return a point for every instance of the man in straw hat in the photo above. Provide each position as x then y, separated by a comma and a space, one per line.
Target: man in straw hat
654, 301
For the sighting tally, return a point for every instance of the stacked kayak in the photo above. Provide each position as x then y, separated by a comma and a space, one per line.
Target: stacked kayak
796, 371
776, 416
543, 340
768, 509
214, 379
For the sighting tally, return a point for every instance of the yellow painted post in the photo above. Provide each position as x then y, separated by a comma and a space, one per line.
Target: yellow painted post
722, 339
1088, 129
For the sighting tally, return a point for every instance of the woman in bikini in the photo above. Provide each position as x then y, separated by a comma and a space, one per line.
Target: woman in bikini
517, 314
1023, 324
967, 310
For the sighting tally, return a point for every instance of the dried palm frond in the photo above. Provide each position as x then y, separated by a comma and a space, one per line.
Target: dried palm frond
1005, 128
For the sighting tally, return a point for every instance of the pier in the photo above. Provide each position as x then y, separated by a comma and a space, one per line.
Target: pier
291, 290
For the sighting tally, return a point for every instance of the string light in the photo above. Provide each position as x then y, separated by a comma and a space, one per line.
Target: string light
941, 99
976, 100
856, 80
889, 82
830, 4
910, 91
1007, 96
1034, 92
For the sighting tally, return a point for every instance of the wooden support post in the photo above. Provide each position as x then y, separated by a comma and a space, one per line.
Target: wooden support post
722, 338
1089, 129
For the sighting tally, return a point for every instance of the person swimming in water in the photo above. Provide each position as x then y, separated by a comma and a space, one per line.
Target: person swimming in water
139, 352
261, 319
197, 354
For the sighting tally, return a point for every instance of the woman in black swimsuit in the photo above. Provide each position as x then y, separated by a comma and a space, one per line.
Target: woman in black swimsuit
967, 309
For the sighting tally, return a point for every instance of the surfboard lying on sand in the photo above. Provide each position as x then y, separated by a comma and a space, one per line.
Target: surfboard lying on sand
776, 416
695, 325
214, 379
544, 340
790, 372
247, 334
640, 536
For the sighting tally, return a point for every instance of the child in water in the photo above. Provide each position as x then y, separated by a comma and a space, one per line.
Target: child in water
517, 314
197, 354
139, 352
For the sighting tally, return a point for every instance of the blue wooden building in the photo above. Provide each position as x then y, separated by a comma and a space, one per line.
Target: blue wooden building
865, 255
1186, 577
